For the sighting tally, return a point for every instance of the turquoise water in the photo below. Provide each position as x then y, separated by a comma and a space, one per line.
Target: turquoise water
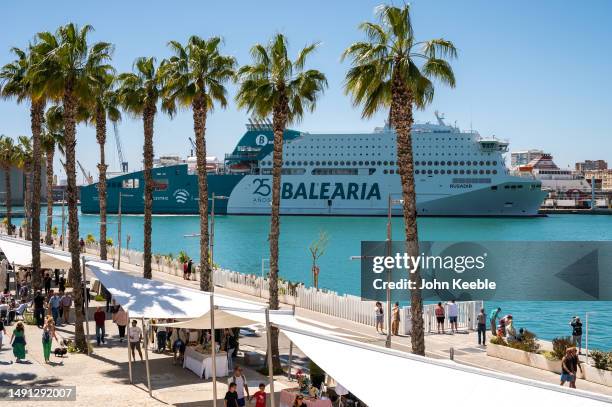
241, 244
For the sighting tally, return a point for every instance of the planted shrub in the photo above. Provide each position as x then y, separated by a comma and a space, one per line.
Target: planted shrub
560, 345
601, 360
528, 342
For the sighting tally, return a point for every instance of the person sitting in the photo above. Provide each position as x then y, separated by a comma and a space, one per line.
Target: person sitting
21, 309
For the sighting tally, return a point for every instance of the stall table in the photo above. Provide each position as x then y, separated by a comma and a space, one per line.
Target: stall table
287, 397
201, 363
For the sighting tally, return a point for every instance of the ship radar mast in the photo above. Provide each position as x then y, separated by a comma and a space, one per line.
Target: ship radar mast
440, 118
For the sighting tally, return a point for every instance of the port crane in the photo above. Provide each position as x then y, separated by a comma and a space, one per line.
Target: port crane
86, 175
123, 163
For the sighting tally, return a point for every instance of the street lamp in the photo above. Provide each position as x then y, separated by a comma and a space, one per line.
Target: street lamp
211, 241
390, 203
118, 223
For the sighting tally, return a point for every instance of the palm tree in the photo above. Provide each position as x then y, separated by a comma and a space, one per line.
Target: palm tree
104, 103
278, 86
196, 76
391, 70
24, 161
71, 63
52, 137
138, 94
8, 159
22, 82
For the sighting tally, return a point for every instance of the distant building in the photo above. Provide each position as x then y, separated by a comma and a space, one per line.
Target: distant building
17, 184
602, 177
591, 165
518, 158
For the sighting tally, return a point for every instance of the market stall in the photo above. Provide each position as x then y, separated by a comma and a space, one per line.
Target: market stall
199, 361
287, 397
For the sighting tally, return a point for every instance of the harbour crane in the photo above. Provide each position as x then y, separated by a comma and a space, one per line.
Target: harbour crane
123, 163
87, 176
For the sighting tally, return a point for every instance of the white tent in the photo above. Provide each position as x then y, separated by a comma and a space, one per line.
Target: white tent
19, 252
223, 320
383, 377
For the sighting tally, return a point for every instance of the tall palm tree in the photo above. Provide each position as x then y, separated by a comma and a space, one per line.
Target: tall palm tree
276, 85
71, 63
8, 159
138, 94
196, 77
22, 82
105, 106
52, 138
24, 162
392, 70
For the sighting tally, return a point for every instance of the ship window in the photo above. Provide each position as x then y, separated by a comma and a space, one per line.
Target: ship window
520, 186
385, 162
455, 163
312, 163
293, 171
160, 184
354, 162
130, 183
513, 187
442, 172
468, 171
468, 163
429, 171
462, 163
436, 163
435, 171
334, 171
385, 171
494, 171
379, 163
392, 163
461, 171
428, 163
488, 171
482, 163
488, 162
391, 172
494, 162
416, 171
494, 187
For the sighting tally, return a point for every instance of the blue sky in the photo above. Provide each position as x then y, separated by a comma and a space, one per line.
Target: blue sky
537, 73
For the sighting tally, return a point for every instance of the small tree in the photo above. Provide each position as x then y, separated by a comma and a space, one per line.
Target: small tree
90, 239
317, 249
183, 257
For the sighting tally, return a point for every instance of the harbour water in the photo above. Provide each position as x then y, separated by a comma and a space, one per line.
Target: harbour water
241, 244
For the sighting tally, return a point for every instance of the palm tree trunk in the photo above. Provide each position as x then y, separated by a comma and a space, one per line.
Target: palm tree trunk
27, 200
37, 111
402, 120
49, 228
148, 118
7, 182
279, 122
199, 127
101, 138
73, 219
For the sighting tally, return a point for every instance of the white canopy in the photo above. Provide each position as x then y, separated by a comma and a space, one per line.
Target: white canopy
223, 320
382, 377
143, 298
20, 253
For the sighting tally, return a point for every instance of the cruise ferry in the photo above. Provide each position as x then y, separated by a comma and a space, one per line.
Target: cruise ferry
457, 173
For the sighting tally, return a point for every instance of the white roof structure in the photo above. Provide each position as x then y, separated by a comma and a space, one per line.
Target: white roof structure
20, 253
382, 377
223, 319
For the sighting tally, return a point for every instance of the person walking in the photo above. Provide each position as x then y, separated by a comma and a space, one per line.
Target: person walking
2, 332
439, 312
18, 341
162, 337
48, 335
121, 319
395, 319
493, 320
134, 338
189, 269
380, 317
569, 367
47, 283
62, 284
66, 301
576, 325
231, 396
82, 245
453, 314
100, 319
481, 319
260, 396
39, 309
231, 344
242, 387
55, 303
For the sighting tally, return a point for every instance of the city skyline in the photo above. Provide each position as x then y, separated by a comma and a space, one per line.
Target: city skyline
518, 85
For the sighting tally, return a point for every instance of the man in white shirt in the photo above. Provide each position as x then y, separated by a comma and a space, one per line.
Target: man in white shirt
453, 313
241, 385
134, 337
